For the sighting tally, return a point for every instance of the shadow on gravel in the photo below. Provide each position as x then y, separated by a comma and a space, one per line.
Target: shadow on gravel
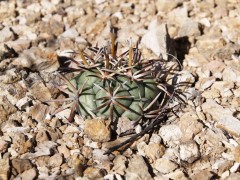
182, 46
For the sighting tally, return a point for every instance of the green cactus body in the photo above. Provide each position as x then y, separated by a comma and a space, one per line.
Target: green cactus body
129, 97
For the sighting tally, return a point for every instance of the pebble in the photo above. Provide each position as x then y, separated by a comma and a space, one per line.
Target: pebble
56, 160
3, 146
94, 173
171, 134
165, 166
5, 168
157, 39
154, 151
119, 165
6, 35
97, 129
137, 169
30, 174
189, 151
21, 165
230, 124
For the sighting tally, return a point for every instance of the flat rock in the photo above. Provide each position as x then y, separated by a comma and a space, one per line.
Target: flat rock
215, 110
230, 124
137, 169
165, 166
166, 5
97, 129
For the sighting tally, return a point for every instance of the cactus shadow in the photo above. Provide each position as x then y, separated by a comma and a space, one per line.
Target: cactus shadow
182, 46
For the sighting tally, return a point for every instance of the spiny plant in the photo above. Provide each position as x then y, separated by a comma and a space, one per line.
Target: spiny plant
112, 86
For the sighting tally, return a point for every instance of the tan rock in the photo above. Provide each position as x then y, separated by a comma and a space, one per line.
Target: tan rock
5, 169
165, 166
21, 165
154, 151
94, 173
97, 129
189, 125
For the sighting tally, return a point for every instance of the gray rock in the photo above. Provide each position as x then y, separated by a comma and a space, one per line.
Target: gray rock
189, 151
137, 169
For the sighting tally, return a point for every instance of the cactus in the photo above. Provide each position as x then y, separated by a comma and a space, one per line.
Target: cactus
112, 86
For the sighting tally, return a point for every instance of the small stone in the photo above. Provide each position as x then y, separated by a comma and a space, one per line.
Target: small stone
70, 33
56, 160
189, 28
6, 35
230, 124
154, 151
21, 165
215, 110
3, 146
171, 134
204, 174
94, 173
165, 166
97, 129
189, 125
206, 82
166, 5
158, 40
5, 169
119, 165
233, 176
30, 174
237, 154
189, 151
39, 111
124, 124
177, 174
137, 169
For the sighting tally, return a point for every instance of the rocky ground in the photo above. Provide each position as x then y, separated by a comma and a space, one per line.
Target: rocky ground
202, 143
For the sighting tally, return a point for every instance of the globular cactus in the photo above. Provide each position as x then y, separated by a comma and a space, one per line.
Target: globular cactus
112, 86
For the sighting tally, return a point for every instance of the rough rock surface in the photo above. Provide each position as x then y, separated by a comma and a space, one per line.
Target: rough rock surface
202, 139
